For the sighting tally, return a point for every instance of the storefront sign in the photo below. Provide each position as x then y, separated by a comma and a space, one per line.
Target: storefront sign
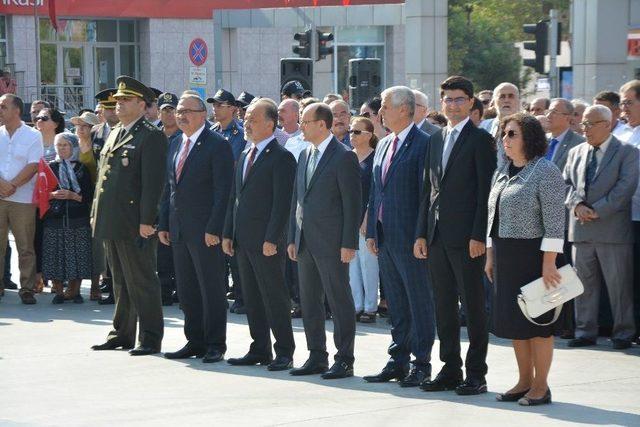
633, 44
198, 52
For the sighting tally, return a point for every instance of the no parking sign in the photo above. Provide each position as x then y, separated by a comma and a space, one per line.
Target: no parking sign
198, 52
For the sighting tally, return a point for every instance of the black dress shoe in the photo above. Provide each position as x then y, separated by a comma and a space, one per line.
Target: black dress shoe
390, 372
8, 284
110, 345
511, 397
442, 382
108, 300
581, 342
472, 386
416, 376
296, 313
281, 363
189, 350
311, 367
250, 360
238, 308
212, 356
58, 299
620, 344
340, 369
544, 400
143, 350
106, 285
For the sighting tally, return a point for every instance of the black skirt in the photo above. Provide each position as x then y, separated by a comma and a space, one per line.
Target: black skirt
516, 263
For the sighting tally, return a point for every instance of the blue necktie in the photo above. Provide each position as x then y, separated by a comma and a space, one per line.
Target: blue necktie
552, 149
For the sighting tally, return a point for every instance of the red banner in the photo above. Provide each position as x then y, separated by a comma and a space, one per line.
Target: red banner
194, 9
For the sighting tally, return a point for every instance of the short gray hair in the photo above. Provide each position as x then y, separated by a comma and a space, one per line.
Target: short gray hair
602, 111
564, 102
270, 109
399, 96
504, 85
199, 100
421, 98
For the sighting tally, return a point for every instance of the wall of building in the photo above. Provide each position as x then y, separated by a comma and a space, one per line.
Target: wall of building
21, 50
164, 45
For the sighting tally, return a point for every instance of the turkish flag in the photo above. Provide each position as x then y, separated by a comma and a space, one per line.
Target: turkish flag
52, 14
46, 182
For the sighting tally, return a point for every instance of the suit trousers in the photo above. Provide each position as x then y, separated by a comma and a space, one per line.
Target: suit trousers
453, 273
320, 275
636, 276
202, 293
410, 304
611, 265
266, 299
136, 289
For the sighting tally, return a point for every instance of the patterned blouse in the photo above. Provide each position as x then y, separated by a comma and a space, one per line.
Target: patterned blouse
531, 204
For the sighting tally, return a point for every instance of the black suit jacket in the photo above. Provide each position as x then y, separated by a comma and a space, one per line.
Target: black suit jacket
258, 208
197, 203
328, 212
455, 199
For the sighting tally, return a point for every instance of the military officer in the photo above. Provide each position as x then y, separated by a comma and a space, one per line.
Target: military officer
167, 103
131, 175
224, 112
242, 102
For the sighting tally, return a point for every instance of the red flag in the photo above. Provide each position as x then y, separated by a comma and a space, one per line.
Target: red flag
52, 14
46, 182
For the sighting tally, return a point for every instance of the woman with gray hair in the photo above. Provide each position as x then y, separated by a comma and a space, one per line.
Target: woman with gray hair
66, 245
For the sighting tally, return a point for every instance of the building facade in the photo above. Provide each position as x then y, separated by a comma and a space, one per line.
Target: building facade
209, 44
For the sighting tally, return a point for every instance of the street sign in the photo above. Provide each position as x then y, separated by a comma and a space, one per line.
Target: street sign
198, 76
198, 52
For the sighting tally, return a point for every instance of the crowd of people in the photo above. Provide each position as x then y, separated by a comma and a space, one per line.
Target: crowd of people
430, 219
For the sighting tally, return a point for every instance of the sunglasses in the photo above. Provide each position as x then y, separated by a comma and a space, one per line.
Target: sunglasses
43, 119
358, 132
510, 134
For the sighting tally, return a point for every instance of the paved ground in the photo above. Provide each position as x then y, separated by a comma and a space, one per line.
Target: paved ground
48, 376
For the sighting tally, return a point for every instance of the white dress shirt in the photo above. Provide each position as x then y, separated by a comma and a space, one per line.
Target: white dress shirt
193, 138
22, 148
632, 136
296, 145
321, 148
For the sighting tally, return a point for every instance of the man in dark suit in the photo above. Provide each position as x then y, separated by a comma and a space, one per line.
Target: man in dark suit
255, 233
125, 208
420, 115
451, 232
396, 184
323, 238
199, 175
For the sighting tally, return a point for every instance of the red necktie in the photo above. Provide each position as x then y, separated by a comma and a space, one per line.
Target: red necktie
183, 158
252, 157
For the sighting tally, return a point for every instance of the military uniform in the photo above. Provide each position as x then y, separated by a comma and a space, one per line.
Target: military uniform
131, 175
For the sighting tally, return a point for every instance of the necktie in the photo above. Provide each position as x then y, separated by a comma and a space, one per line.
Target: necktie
389, 159
311, 165
252, 158
448, 146
182, 159
552, 149
592, 167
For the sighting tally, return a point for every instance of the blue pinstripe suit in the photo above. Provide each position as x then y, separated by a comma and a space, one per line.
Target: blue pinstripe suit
404, 277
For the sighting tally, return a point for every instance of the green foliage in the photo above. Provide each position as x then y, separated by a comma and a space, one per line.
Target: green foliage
482, 34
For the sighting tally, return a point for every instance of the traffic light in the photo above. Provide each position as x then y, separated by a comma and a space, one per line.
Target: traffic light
304, 44
323, 49
540, 46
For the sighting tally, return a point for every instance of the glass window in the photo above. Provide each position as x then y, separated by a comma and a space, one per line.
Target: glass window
128, 60
48, 64
3, 27
77, 31
360, 35
47, 33
345, 53
72, 64
127, 31
107, 31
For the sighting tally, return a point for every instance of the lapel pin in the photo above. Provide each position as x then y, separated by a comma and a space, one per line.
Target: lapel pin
267, 150
198, 143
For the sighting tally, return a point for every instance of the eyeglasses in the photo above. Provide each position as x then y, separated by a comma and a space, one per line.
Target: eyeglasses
588, 125
43, 118
509, 134
457, 101
358, 131
627, 103
306, 122
183, 111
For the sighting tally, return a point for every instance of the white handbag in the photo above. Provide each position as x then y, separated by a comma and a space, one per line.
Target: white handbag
535, 299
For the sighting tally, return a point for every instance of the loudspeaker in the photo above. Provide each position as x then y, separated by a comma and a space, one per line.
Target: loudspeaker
300, 69
365, 80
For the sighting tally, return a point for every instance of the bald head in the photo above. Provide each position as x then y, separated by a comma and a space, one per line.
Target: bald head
288, 111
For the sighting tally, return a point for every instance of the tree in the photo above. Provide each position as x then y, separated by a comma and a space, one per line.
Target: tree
482, 34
